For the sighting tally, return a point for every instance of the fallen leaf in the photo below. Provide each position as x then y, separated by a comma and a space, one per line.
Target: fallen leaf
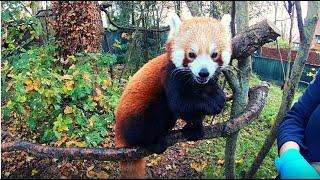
199, 167
29, 158
102, 175
34, 172
7, 174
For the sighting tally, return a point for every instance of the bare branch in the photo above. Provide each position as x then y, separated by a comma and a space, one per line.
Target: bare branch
257, 96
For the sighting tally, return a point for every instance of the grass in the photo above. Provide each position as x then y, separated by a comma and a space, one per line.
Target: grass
250, 140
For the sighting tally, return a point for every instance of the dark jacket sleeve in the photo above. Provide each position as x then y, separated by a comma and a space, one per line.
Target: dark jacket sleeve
293, 125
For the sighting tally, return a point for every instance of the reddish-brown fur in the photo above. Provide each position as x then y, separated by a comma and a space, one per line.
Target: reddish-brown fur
143, 86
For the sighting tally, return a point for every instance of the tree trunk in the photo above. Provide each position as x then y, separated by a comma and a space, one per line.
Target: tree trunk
306, 34
240, 91
78, 26
194, 8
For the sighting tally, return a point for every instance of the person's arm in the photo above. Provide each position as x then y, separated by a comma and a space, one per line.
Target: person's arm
288, 145
291, 164
293, 125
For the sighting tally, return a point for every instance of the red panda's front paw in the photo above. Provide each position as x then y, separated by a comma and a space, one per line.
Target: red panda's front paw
192, 132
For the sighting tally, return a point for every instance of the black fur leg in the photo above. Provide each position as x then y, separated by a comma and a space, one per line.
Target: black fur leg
193, 132
158, 147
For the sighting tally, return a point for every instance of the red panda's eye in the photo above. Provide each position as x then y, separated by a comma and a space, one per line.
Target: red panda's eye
192, 55
214, 55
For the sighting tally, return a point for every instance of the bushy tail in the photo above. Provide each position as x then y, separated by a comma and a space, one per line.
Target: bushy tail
133, 169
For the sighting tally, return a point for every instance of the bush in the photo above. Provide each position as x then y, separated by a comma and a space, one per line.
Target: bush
62, 100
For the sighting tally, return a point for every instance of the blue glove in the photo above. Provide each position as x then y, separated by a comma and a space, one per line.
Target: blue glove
292, 165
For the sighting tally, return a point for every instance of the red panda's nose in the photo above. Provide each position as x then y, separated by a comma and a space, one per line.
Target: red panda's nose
204, 73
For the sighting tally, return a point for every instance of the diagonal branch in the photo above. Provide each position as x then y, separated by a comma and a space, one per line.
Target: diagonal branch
257, 96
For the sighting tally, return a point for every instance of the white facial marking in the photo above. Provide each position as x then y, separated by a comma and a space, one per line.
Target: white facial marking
213, 47
226, 57
194, 47
177, 56
203, 61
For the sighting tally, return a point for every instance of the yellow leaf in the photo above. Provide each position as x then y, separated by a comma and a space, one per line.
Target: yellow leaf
8, 103
64, 128
65, 89
107, 82
71, 58
154, 161
68, 86
199, 167
220, 161
22, 99
34, 172
78, 144
86, 76
91, 122
36, 85
68, 110
27, 82
239, 161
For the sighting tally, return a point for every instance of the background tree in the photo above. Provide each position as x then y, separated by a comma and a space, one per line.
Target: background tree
78, 26
239, 83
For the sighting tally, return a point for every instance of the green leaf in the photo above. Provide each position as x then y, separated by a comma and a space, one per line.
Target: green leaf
49, 135
31, 123
6, 113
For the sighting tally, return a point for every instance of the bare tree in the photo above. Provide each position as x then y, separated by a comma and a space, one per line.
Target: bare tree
290, 10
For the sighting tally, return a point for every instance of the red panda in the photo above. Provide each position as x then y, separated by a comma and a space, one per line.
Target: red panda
178, 84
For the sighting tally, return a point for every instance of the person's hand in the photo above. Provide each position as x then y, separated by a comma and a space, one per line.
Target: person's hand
292, 165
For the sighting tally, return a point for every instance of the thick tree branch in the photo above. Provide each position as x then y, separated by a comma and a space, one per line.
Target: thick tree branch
257, 98
254, 37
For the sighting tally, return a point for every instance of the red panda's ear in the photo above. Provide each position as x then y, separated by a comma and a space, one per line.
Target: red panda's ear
174, 22
225, 21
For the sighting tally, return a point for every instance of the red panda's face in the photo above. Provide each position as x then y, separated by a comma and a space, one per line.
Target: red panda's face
201, 45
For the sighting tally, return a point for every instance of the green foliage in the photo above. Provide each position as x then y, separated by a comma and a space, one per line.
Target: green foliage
61, 100
18, 29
